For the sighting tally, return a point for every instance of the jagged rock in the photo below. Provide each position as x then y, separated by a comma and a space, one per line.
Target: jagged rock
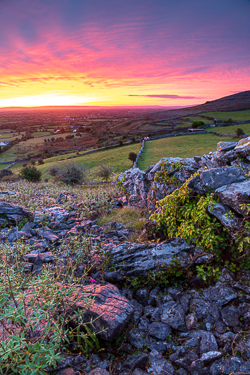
110, 310
215, 178
225, 215
174, 316
217, 366
14, 213
232, 365
220, 294
99, 371
138, 371
57, 214
230, 316
226, 146
138, 260
48, 235
159, 330
208, 343
159, 365
139, 362
243, 147
136, 339
235, 195
15, 235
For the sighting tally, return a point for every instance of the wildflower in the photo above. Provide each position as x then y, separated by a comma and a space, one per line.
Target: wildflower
92, 280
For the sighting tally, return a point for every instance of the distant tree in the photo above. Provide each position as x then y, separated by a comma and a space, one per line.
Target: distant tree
239, 132
132, 156
104, 172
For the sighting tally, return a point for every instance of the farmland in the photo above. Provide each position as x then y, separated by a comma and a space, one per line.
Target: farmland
184, 147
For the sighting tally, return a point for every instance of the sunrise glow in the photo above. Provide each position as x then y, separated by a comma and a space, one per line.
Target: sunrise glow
135, 53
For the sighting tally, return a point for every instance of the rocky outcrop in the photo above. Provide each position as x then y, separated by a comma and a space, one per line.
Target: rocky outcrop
13, 213
228, 165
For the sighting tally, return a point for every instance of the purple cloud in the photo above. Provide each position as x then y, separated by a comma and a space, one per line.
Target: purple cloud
168, 96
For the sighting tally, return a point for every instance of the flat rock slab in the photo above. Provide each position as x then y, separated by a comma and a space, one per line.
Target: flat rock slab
13, 212
216, 178
138, 260
226, 146
110, 311
235, 195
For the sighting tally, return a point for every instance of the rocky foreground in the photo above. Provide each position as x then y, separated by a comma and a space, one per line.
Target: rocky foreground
168, 329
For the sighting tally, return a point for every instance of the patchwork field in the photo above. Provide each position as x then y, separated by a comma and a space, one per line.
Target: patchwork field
230, 129
185, 147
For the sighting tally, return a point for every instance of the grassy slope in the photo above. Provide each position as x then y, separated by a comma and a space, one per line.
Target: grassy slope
234, 115
116, 157
185, 147
230, 129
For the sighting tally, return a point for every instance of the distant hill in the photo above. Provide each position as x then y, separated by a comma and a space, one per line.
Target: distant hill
235, 102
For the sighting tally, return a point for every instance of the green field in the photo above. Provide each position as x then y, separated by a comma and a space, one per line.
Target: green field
235, 115
116, 157
230, 129
185, 146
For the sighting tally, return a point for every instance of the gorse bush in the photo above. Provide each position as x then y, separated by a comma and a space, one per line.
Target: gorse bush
31, 174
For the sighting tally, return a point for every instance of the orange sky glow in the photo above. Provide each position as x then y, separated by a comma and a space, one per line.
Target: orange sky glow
148, 53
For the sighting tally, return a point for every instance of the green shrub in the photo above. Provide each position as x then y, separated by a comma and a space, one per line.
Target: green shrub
31, 174
198, 124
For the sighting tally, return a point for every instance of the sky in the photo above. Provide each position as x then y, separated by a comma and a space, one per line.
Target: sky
117, 53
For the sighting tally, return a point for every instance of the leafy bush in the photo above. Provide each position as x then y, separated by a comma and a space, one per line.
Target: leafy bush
198, 124
71, 173
104, 172
239, 132
132, 156
31, 174
181, 214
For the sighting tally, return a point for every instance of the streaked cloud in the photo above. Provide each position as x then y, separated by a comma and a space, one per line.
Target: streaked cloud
122, 51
